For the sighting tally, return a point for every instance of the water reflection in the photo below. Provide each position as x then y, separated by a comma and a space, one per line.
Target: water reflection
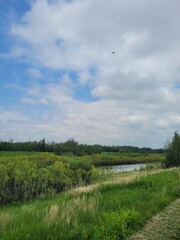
127, 168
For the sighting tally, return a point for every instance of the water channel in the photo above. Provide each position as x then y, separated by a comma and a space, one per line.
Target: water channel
127, 167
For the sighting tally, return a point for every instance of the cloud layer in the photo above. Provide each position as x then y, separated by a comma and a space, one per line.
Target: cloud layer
133, 93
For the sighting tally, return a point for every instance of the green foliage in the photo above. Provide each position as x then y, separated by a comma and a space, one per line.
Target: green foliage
68, 147
82, 171
173, 151
117, 224
71, 147
107, 159
112, 212
23, 178
26, 175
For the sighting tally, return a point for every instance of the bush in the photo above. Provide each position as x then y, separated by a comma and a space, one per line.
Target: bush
81, 171
23, 178
117, 225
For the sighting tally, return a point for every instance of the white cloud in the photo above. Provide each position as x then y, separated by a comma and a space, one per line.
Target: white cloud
6, 115
135, 87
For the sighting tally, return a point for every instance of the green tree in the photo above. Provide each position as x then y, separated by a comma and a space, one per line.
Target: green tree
172, 150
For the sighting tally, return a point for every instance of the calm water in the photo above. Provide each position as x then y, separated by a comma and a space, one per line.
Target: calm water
127, 168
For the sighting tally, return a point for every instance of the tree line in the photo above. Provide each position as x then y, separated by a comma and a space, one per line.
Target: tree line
71, 147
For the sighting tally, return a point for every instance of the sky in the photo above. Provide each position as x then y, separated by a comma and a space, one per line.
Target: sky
60, 79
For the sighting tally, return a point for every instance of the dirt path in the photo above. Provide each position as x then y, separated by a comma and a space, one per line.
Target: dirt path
163, 226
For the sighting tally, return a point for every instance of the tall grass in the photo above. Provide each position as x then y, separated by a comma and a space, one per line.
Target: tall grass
113, 211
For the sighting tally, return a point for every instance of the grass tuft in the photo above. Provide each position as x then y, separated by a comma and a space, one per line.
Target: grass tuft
4, 220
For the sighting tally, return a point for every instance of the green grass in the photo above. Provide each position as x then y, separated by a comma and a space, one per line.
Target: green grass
4, 154
165, 225
113, 211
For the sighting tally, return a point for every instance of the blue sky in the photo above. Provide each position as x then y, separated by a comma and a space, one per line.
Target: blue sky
59, 78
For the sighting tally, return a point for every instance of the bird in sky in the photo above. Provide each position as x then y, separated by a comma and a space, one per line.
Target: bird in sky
113, 52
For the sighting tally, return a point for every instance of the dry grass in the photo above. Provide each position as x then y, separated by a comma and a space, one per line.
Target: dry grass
117, 179
52, 214
68, 213
84, 189
4, 220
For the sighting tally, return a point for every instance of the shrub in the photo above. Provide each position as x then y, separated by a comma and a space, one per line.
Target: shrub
23, 178
81, 171
117, 225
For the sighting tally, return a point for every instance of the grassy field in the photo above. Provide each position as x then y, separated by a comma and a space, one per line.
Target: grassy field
109, 211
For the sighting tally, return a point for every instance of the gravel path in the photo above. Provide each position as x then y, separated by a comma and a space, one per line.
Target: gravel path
163, 226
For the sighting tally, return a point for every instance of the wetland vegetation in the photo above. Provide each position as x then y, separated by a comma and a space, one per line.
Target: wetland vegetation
111, 210
44, 195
